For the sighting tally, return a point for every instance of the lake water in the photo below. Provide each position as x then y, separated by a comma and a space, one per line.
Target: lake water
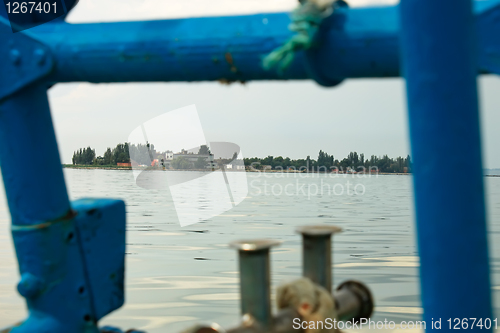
176, 277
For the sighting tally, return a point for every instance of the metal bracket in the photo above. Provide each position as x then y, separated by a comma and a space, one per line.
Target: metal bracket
77, 261
24, 60
101, 228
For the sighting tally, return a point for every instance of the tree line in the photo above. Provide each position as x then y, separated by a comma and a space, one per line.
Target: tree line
87, 156
144, 154
327, 163
123, 153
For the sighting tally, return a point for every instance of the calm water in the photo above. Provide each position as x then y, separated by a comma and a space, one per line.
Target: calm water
179, 276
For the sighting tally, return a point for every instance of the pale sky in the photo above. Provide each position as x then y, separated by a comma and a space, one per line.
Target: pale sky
293, 119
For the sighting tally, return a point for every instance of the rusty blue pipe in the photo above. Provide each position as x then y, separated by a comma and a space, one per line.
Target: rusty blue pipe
352, 43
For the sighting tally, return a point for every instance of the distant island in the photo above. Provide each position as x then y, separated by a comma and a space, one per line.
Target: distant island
126, 156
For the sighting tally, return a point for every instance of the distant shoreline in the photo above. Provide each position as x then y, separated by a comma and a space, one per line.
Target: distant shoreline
101, 167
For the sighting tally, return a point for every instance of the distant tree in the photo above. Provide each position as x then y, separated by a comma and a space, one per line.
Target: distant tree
287, 163
181, 163
141, 153
300, 164
325, 161
253, 162
353, 159
89, 155
278, 163
344, 164
268, 160
204, 150
408, 163
84, 156
200, 163
121, 153
108, 158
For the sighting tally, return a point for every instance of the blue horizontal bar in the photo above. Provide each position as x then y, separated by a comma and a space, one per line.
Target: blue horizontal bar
353, 43
365, 44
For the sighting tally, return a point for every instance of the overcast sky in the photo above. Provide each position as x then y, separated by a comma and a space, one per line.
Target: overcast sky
293, 119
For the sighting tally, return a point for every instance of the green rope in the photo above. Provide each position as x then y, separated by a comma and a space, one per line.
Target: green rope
306, 20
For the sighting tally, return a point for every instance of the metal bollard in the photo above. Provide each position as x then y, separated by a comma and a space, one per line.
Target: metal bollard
353, 300
255, 280
317, 253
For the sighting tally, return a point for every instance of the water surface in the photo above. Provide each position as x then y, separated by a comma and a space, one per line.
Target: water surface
177, 276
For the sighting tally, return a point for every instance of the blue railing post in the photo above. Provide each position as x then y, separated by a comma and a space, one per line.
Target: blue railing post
440, 67
43, 228
71, 261
31, 166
